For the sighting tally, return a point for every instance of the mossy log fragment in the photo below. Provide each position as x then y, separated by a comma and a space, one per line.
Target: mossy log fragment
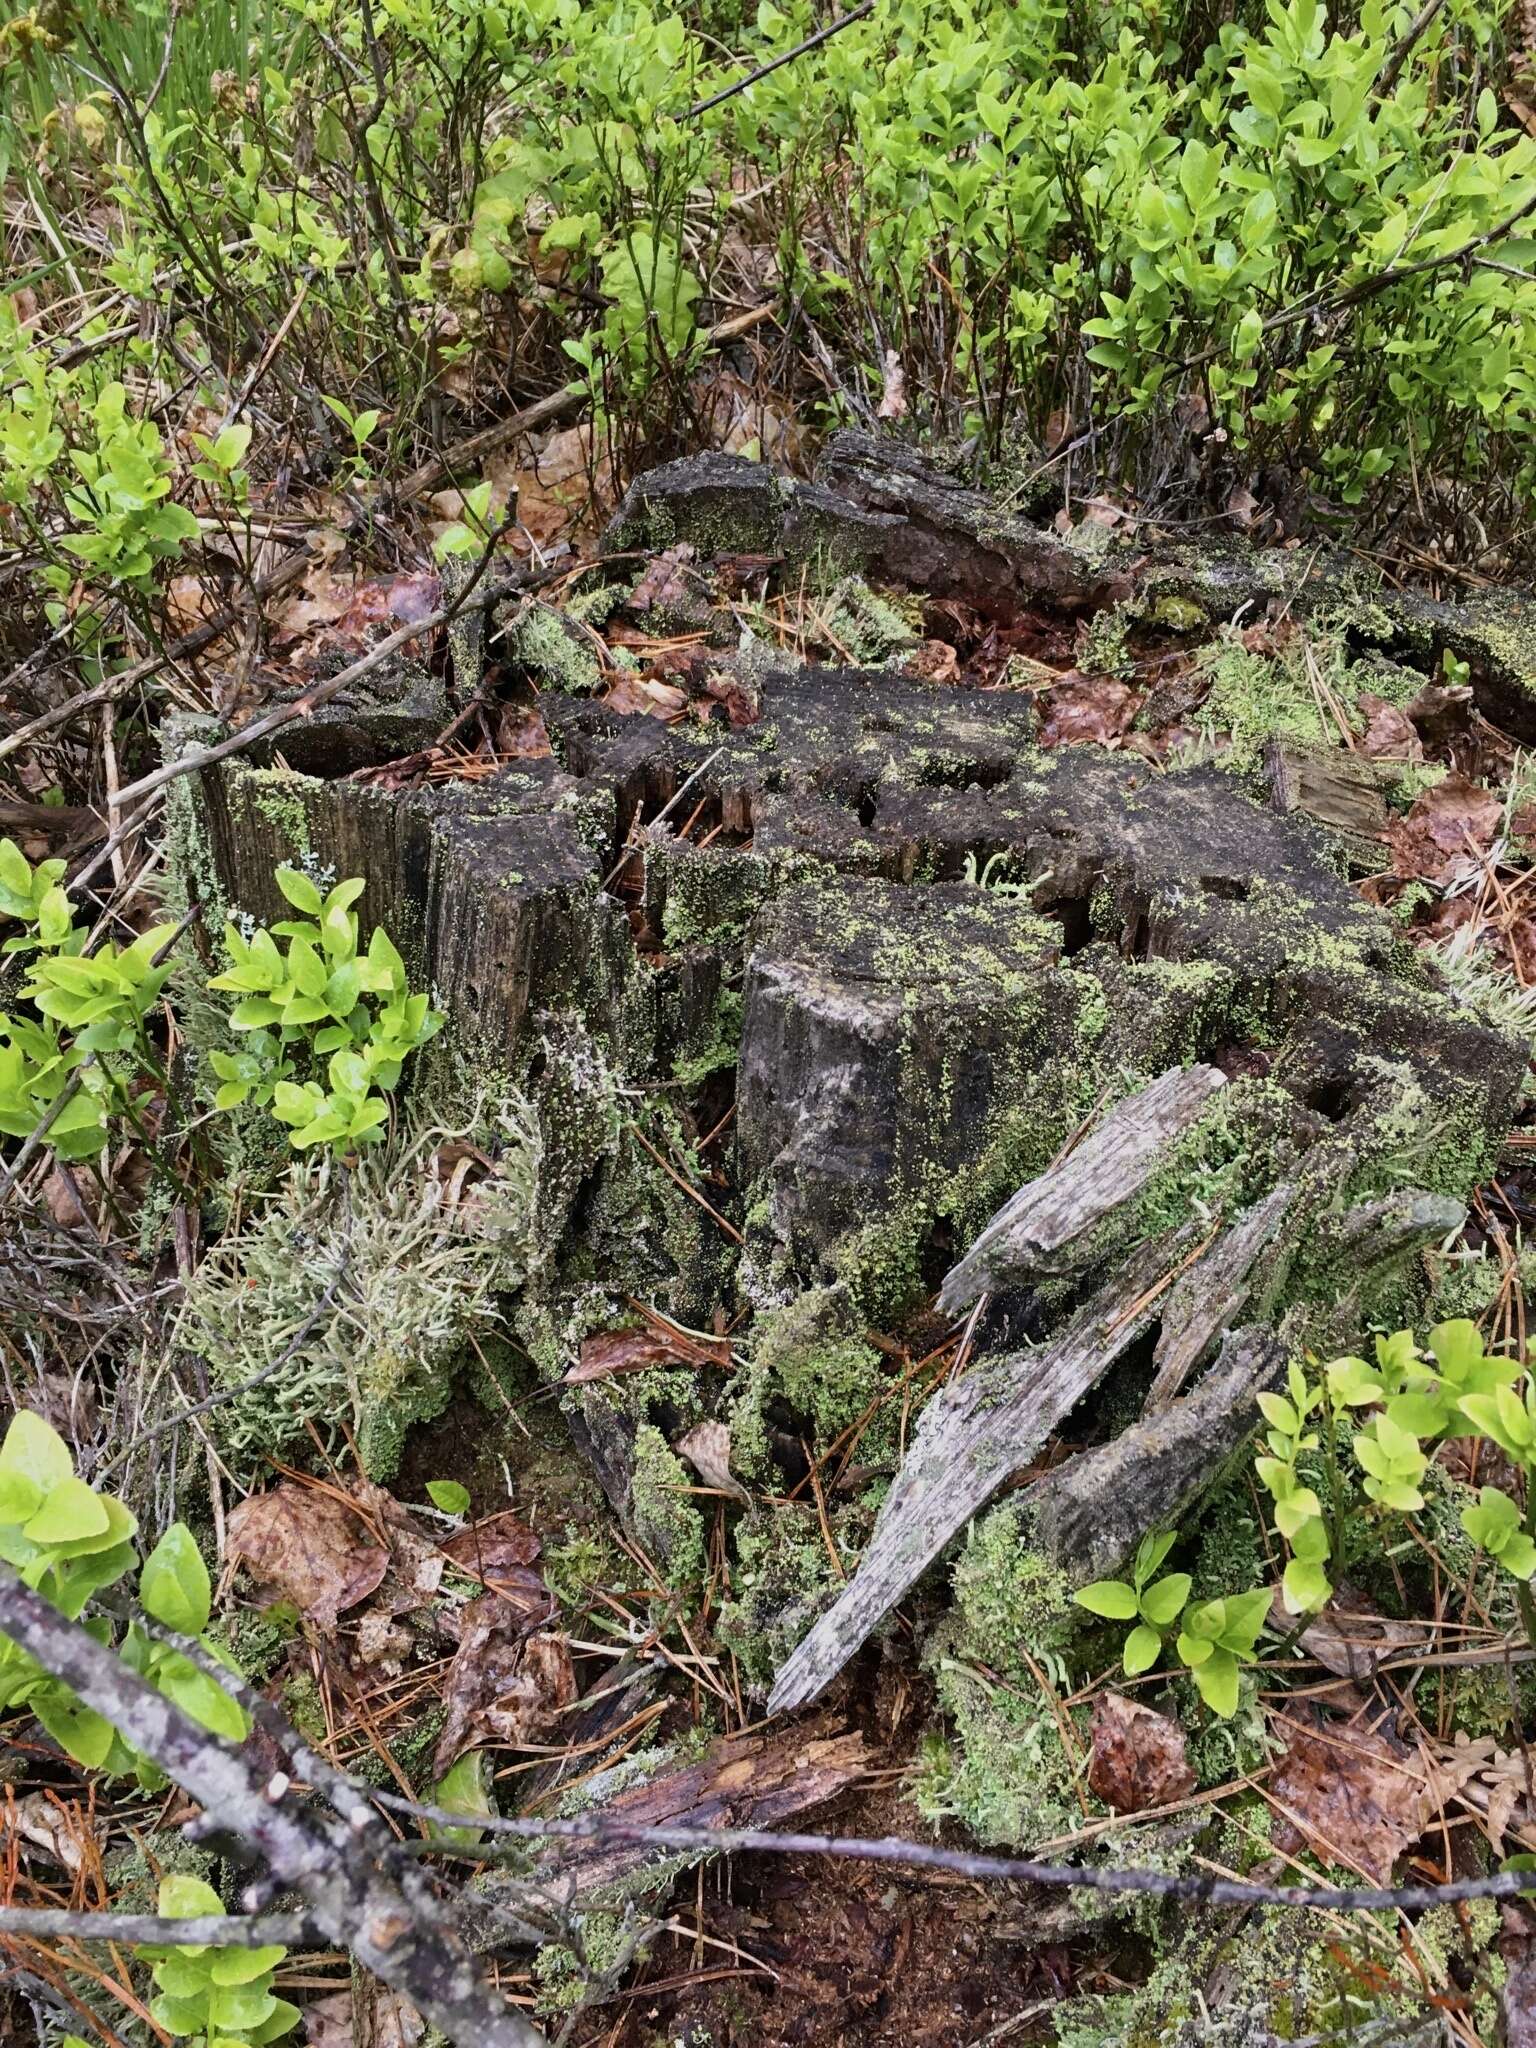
1089, 1516
758, 1779
1207, 1300
935, 956
972, 1437
879, 507
490, 889
1033, 1236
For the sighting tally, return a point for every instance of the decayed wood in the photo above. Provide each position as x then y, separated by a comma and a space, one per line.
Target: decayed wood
1207, 1300
1031, 1236
342, 1867
1343, 791
1090, 1513
758, 1780
491, 889
971, 1438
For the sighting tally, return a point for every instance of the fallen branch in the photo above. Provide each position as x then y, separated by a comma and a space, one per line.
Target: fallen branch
223, 1930
115, 686
343, 1868
1195, 1890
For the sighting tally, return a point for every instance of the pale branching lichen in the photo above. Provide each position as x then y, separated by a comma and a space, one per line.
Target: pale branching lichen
363, 1284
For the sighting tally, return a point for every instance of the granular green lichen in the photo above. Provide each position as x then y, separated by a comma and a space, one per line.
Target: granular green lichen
809, 1357
1006, 1775
666, 1522
1013, 1604
781, 1579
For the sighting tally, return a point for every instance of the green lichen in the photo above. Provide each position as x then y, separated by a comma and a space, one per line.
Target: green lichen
561, 655
781, 1580
1006, 1775
666, 1522
808, 1357
367, 1287
1013, 1603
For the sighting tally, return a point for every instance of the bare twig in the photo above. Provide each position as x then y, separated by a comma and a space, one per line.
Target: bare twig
226, 1930
1211, 1891
343, 1871
821, 36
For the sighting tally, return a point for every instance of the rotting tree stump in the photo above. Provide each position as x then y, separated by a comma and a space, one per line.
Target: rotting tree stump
937, 960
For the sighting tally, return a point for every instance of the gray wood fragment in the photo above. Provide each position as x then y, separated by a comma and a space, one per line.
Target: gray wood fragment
1031, 1236
1090, 1514
970, 1439
1206, 1301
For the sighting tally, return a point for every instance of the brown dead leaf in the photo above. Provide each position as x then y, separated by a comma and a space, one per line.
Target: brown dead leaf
665, 581
893, 399
504, 1684
521, 734
1447, 824
632, 695
632, 1350
1137, 1759
494, 1546
741, 701
707, 1447
1352, 1796
303, 1544
1351, 1635
1242, 507
934, 661
1389, 732
370, 2015
1086, 708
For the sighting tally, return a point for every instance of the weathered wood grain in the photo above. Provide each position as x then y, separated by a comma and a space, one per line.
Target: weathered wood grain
1031, 1236
971, 1438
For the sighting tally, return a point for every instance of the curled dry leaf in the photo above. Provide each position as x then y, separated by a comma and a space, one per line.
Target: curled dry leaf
505, 1684
498, 1544
1390, 734
1351, 1795
1137, 1759
1447, 824
303, 1544
1093, 708
632, 1350
707, 1447
1351, 1635
893, 400
629, 695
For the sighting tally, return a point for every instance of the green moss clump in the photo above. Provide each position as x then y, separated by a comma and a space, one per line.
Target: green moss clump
566, 1979
667, 1525
1007, 1777
809, 1358
560, 654
781, 1579
1009, 1598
